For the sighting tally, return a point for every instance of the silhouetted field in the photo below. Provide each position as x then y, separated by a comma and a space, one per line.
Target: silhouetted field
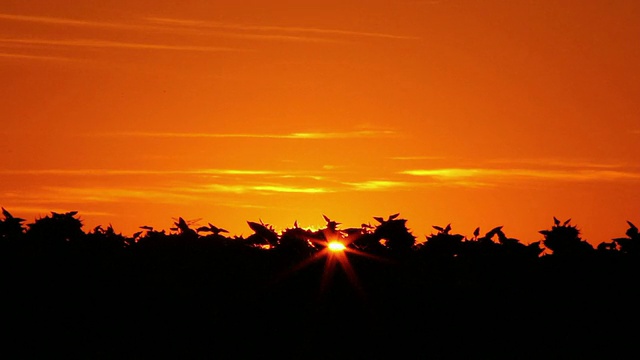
197, 293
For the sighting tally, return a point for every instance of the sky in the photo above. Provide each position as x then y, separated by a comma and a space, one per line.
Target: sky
469, 113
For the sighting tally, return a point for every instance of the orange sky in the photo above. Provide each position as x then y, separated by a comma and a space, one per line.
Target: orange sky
474, 113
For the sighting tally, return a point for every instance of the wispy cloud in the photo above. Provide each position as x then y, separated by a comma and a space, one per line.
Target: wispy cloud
109, 172
161, 194
496, 175
161, 26
216, 188
57, 195
303, 176
276, 37
115, 194
295, 135
558, 163
408, 158
33, 57
341, 135
290, 189
214, 28
271, 28
446, 173
242, 205
254, 188
61, 21
46, 211
91, 43
235, 181
379, 185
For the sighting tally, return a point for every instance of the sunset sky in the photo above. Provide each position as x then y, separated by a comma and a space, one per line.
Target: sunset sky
474, 113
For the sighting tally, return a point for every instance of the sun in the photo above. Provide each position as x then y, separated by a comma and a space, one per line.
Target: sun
336, 246
335, 255
336, 250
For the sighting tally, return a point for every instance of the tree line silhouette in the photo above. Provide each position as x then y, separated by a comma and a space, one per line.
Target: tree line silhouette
389, 236
197, 289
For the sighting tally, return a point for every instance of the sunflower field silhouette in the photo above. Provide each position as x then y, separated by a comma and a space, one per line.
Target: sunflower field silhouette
200, 292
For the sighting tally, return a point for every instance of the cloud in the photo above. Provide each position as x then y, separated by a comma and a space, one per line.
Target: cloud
296, 135
33, 57
289, 189
277, 37
472, 178
243, 205
115, 194
46, 211
253, 188
58, 195
115, 172
404, 158
303, 176
61, 21
496, 175
271, 28
446, 173
175, 26
115, 44
341, 135
161, 194
560, 163
260, 32
379, 185
233, 181
234, 172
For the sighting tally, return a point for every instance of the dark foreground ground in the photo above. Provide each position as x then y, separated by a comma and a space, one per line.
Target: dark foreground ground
250, 304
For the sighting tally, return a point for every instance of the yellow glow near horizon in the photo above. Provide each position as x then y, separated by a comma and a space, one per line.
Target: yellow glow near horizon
336, 246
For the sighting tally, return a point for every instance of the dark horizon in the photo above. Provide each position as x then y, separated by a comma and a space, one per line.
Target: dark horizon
180, 225
102, 295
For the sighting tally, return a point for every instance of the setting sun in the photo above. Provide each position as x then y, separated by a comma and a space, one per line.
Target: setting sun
336, 246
